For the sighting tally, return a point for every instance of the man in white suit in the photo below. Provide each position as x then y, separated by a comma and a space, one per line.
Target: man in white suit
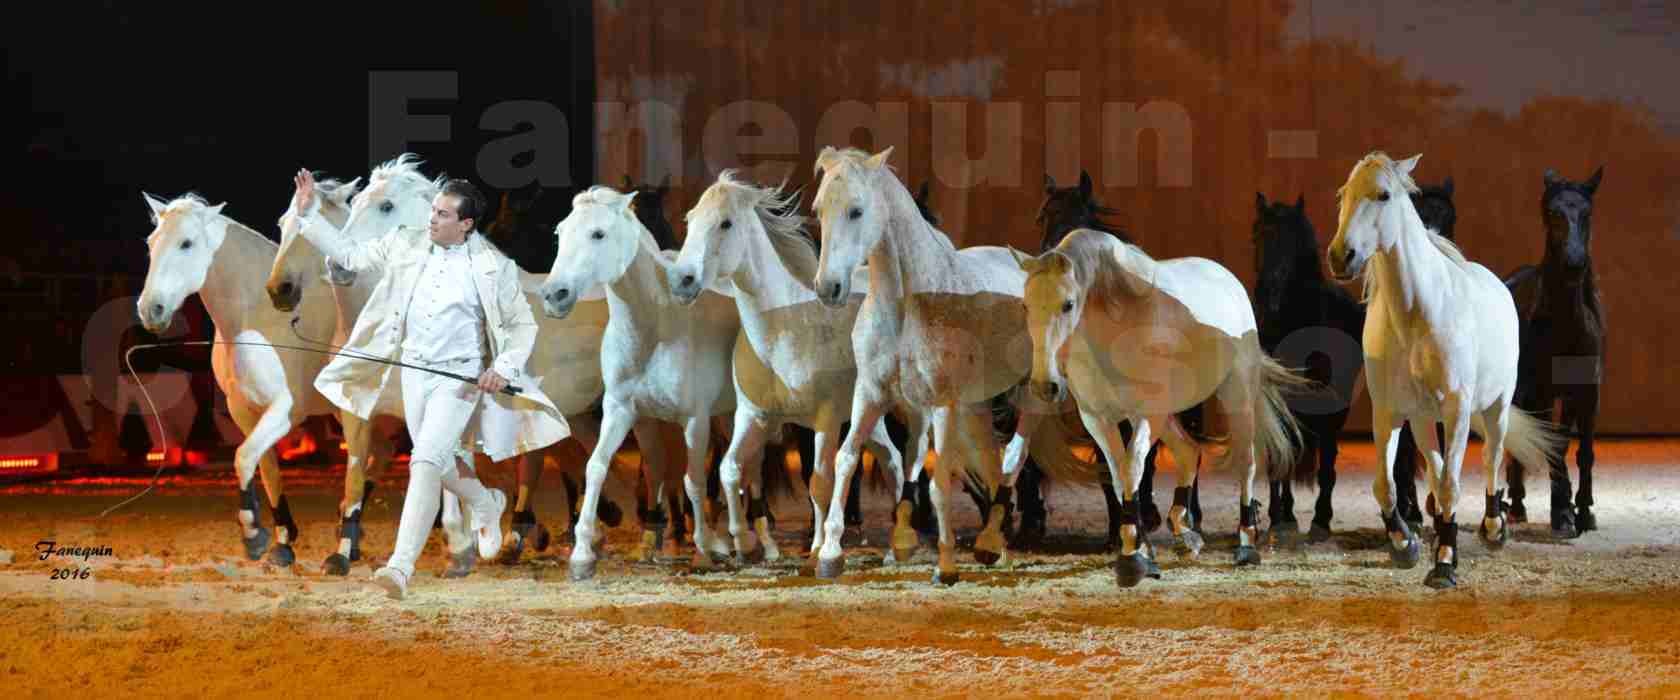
449, 301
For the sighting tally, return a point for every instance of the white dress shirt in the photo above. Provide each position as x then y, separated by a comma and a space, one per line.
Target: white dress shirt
445, 316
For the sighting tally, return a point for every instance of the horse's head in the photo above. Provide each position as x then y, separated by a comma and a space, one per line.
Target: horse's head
1068, 208
597, 243
1566, 207
182, 245
1055, 300
851, 206
397, 196
1375, 208
1284, 246
1434, 204
298, 261
731, 216
649, 205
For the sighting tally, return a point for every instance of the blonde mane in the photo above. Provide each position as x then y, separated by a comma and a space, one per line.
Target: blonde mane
777, 210
1101, 262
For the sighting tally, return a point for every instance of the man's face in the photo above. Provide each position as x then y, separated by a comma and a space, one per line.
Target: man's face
446, 226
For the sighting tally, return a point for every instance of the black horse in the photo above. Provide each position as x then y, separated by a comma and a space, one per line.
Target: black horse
1064, 210
1308, 321
1562, 346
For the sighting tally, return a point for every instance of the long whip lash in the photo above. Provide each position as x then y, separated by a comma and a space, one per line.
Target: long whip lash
128, 360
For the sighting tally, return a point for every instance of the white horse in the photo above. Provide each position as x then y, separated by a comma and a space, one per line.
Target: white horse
656, 362
1440, 345
1133, 338
940, 332
795, 365
194, 249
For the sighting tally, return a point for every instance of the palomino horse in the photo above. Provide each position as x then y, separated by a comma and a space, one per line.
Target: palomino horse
1440, 343
1562, 345
793, 366
196, 250
1132, 338
1064, 210
655, 364
939, 334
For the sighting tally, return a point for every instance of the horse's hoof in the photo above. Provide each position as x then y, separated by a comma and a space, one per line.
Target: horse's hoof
1129, 571
282, 556
1247, 555
1407, 557
608, 513
336, 565
1494, 541
1188, 545
1318, 533
751, 557
1151, 518
581, 569
461, 563
255, 546
1563, 524
903, 540
1516, 512
649, 547
539, 537
946, 579
988, 547
831, 568
1585, 520
1284, 534
513, 545
1442, 577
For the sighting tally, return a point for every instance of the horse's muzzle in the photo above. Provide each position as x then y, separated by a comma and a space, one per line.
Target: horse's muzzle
685, 286
1053, 392
284, 295
558, 302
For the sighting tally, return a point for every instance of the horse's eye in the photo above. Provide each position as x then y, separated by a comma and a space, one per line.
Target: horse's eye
598, 234
186, 244
1382, 197
855, 213
726, 224
1067, 307
386, 207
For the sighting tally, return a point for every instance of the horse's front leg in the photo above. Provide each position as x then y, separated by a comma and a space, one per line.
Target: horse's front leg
833, 474
1455, 414
1134, 561
357, 486
254, 453
1586, 424
616, 423
697, 435
746, 445
989, 546
945, 424
1385, 427
902, 542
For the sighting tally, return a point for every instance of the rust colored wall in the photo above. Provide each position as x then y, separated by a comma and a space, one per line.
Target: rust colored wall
1262, 113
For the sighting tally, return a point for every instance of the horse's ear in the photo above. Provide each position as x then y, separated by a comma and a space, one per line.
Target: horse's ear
1408, 164
1260, 201
1592, 182
156, 204
1022, 259
880, 159
352, 187
1301, 202
1085, 185
216, 210
624, 208
823, 157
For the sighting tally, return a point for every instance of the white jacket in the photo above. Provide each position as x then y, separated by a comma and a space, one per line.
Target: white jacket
507, 425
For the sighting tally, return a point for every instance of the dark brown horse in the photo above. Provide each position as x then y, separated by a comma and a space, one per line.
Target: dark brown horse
1562, 359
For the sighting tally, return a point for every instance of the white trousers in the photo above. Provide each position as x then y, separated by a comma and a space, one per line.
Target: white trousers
438, 410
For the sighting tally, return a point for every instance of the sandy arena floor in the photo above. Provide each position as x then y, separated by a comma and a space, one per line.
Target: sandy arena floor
177, 610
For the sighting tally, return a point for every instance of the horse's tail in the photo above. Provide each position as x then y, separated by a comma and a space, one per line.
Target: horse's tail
1277, 435
1528, 440
775, 474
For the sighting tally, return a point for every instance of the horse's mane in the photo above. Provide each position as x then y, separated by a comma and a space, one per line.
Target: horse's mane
847, 165
778, 211
406, 167
1103, 263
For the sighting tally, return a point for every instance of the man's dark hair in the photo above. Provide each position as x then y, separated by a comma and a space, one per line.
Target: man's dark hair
473, 203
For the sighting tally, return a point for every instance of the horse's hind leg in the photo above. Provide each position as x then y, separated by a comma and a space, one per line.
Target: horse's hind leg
1586, 422
650, 440
357, 485
1133, 561
1324, 509
697, 434
1496, 422
902, 539
746, 445
524, 526
1564, 525
1187, 542
1405, 476
990, 546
